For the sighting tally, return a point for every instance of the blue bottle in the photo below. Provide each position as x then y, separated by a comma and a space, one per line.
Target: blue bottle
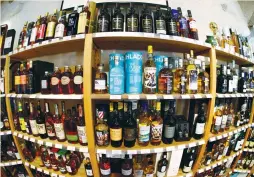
112, 60
116, 78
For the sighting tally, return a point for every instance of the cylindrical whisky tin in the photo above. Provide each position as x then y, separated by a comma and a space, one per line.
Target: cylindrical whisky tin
112, 60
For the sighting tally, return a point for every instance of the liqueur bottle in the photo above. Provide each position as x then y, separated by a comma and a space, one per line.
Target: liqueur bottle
130, 128
193, 32
149, 169
242, 83
45, 158
180, 78
88, 168
61, 165
132, 20
16, 117
230, 81
42, 29
115, 128
137, 167
203, 80
144, 126
192, 75
30, 78
49, 123
188, 161
70, 127
32, 121
217, 118
71, 164
78, 80
72, 23
17, 81
100, 80
50, 32
28, 34
126, 167
103, 20
55, 84
171, 23
156, 126
162, 165
231, 115
222, 85
35, 30
22, 36
146, 20
165, 79
26, 116
54, 162
67, 81
45, 84
21, 117
81, 126
58, 123
84, 19
61, 26
184, 32
149, 73
200, 123
101, 129
40, 120
105, 166
160, 24
224, 116
117, 19
23, 78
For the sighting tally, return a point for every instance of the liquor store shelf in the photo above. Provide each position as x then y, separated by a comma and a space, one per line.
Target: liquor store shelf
231, 131
10, 163
148, 96
248, 150
217, 163
46, 96
241, 171
36, 166
218, 95
180, 174
149, 148
5, 132
50, 47
51, 143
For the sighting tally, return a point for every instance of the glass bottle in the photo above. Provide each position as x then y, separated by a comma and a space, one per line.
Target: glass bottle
156, 126
126, 167
70, 127
61, 26
26, 116
45, 158
115, 128
231, 115
78, 80
203, 80
103, 20
180, 78
16, 116
165, 79
132, 20
100, 80
130, 128
171, 23
242, 83
162, 165
50, 32
200, 123
88, 168
32, 121
117, 19
105, 166
55, 84
61, 165
224, 116
67, 81
230, 81
22, 36
71, 165
49, 123
224, 40
169, 124
101, 129
149, 73
193, 32
188, 161
235, 77
42, 29
17, 81
40, 120
146, 20
84, 19
23, 79
217, 118
21, 117
45, 84
235, 40
35, 31
72, 23
160, 24
30, 78
137, 167
192, 75
184, 32
149, 169
58, 124
81, 127
54, 162
222, 85
144, 126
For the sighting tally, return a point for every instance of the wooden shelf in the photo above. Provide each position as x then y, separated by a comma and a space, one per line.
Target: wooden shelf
231, 131
50, 47
10, 163
148, 96
180, 174
241, 171
234, 95
51, 143
46, 96
149, 148
140, 41
222, 54
36, 166
5, 132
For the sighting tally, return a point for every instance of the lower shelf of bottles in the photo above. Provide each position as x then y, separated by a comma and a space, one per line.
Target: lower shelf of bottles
5, 132
10, 163
241, 171
149, 148
46, 96
51, 143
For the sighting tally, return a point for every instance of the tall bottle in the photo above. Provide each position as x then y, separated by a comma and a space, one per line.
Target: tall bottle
115, 128
126, 167
88, 168
165, 79
70, 126
222, 85
169, 124
117, 19
103, 20
32, 121
50, 32
30, 78
22, 36
101, 129
180, 78
188, 162
49, 123
72, 23
192, 75
23, 78
235, 77
61, 26
84, 19
171, 23
42, 29
81, 126
58, 123
203, 80
35, 29
21, 118
146, 20
230, 81
17, 81
100, 80
231, 114
132, 20
193, 32
160, 23
217, 117
26, 116
55, 84
78, 80
40, 120
67, 81
224, 116
242, 83
137, 167
184, 32
162, 165
156, 126
45, 83
200, 123
105, 166
144, 126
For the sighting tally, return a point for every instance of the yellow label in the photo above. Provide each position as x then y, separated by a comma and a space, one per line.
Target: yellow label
111, 107
50, 29
22, 123
17, 80
82, 22
116, 134
150, 49
158, 106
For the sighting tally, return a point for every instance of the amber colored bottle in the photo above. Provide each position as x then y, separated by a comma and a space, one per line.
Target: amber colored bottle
22, 36
100, 80
35, 31
78, 80
115, 128
84, 20
193, 32
17, 81
67, 81
55, 83
23, 78
156, 126
50, 32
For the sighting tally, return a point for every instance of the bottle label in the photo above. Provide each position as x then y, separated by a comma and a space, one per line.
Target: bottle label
150, 77
193, 84
17, 80
193, 26
224, 86
102, 137
147, 25
54, 167
103, 25
105, 172
50, 130
161, 173
25, 41
44, 84
132, 24
138, 173
65, 80
72, 137
59, 30
235, 82
129, 134
33, 35
82, 134
30, 81
116, 134
100, 84
68, 168
183, 24
54, 80
156, 131
200, 128
126, 172
59, 131
23, 80
78, 80
218, 120
149, 175
230, 85
166, 83
89, 172
41, 31
224, 121
160, 27
117, 24
172, 27
186, 169
33, 126
50, 29
225, 151
144, 133
22, 123
41, 128
82, 22
62, 169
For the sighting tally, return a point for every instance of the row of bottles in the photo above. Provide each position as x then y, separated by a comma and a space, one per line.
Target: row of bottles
8, 149
250, 140
228, 80
170, 21
4, 121
144, 122
128, 75
246, 161
13, 171
69, 125
216, 150
226, 116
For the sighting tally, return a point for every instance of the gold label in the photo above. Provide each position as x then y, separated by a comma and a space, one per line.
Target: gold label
82, 22
17, 80
50, 29
116, 134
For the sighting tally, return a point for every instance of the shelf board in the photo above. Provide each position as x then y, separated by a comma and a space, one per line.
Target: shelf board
36, 166
149, 148
50, 47
148, 96
10, 163
46, 96
222, 54
140, 41
5, 132
2, 95
231, 131
180, 174
241, 171
248, 150
3, 56
234, 95
51, 143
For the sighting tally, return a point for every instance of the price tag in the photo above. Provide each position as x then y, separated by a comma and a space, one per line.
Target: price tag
185, 96
19, 95
151, 97
227, 95
212, 139
21, 49
230, 133
59, 146
157, 150
101, 151
145, 151
32, 96
132, 151
215, 165
80, 36
40, 142
225, 135
15, 133
36, 45
201, 142
53, 174
55, 40
46, 172
116, 151
19, 162
181, 147
168, 97
26, 137
201, 171
71, 148
39, 169
15, 51
83, 149
163, 36
61, 176
192, 145
197, 96
170, 148
133, 97
49, 144
26, 164
20, 135
13, 163
5, 164
45, 42
149, 35
13, 95
115, 97
219, 163
32, 139
207, 168
28, 47
32, 166
235, 131
189, 175
225, 160
67, 38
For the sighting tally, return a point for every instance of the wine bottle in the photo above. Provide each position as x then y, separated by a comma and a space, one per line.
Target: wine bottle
40, 120
200, 123
115, 127
169, 124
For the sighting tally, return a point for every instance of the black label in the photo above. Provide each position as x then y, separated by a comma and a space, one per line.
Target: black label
132, 24
117, 24
147, 25
30, 81
103, 25
172, 29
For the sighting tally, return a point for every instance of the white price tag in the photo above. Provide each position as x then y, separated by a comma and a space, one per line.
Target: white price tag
170, 148
145, 151
67, 38
133, 97
207, 168
227, 95
132, 151
168, 97
83, 149
230, 133
46, 172
148, 34
192, 145
163, 36
116, 151
201, 142
32, 139
21, 49
197, 96
181, 147
219, 163
45, 42
32, 166
39, 169
185, 96
15, 133
36, 45
80, 36
212, 139
20, 135
40, 142
28, 47
49, 144
115, 97
19, 95
151, 97
225, 135
201, 171
53, 174
15, 51
26, 137
26, 164
59, 146
101, 151
158, 150
55, 40
71, 148
32, 96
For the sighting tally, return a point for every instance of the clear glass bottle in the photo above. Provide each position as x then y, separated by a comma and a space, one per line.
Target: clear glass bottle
61, 26
144, 127
137, 167
165, 79
156, 126
217, 118
100, 80
192, 75
203, 80
180, 78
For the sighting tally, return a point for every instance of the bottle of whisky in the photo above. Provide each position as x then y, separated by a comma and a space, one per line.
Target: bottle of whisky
171, 23
17, 81
203, 80
146, 20
149, 168
115, 128
72, 23
156, 126
35, 31
30, 78
230, 81
222, 85
162, 165
81, 127
22, 36
45, 84
242, 84
70, 126
235, 77
184, 32
144, 126
193, 32
49, 123
192, 75
42, 29
101, 129
105, 166
224, 116
32, 121
88, 168
137, 167
200, 123
165, 79
21, 117
103, 20
150, 73
169, 124
84, 19
188, 161
100, 80
217, 118
180, 78
117, 19
132, 20
231, 114
160, 24
50, 32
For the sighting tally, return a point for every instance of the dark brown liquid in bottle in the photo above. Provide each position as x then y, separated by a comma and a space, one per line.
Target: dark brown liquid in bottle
56, 82
67, 81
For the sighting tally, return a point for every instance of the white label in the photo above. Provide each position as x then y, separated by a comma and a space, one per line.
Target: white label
200, 128
105, 172
144, 133
89, 172
33, 35
82, 134
68, 168
78, 80
54, 80
65, 80
59, 30
41, 128
224, 121
193, 25
99, 84
127, 172
218, 120
7, 42
169, 132
17, 155
43, 84
33, 125
59, 130
230, 85
186, 169
149, 175
163, 173
138, 173
149, 77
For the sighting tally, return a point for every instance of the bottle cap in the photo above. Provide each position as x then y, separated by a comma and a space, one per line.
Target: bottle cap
150, 49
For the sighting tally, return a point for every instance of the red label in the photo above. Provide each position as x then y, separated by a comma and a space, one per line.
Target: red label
41, 31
